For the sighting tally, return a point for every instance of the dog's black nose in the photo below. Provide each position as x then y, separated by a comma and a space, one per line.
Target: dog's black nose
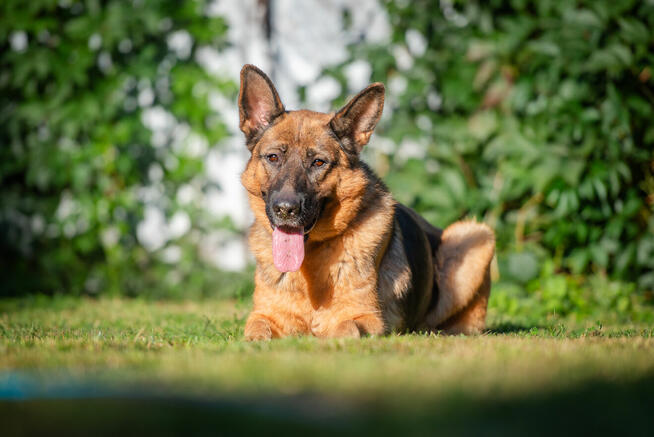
286, 209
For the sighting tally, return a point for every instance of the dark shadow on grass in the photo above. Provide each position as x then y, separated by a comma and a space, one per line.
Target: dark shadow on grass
593, 408
512, 328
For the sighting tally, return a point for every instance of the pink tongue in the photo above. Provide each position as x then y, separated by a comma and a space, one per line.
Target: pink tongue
288, 249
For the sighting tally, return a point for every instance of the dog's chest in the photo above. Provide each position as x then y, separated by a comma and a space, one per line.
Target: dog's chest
326, 300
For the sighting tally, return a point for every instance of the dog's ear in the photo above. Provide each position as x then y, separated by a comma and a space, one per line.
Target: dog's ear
258, 101
354, 123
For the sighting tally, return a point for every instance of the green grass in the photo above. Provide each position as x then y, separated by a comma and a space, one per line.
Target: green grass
145, 361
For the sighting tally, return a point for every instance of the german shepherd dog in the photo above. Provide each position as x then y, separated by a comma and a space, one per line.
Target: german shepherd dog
336, 255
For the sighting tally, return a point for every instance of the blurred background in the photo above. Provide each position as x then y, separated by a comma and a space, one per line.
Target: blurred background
120, 153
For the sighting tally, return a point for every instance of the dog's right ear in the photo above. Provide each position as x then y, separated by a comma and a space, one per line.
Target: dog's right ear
258, 101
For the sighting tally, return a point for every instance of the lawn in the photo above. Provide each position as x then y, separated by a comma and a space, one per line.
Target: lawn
170, 366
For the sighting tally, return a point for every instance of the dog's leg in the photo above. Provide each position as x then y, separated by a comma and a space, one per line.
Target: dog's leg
368, 324
462, 277
471, 319
261, 326
345, 329
258, 328
355, 327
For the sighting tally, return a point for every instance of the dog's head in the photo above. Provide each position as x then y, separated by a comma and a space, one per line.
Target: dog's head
299, 159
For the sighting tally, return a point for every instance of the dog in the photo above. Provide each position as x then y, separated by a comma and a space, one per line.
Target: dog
336, 255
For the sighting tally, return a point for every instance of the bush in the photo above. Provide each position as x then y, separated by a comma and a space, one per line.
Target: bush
534, 116
81, 83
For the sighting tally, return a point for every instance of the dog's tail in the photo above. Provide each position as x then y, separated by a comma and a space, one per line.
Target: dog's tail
462, 274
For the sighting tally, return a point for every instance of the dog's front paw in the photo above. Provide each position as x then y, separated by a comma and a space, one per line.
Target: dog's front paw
346, 329
258, 329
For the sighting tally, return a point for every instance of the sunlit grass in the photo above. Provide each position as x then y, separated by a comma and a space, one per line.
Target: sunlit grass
125, 361
197, 348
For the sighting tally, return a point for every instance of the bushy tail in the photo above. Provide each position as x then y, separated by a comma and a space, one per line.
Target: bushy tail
462, 270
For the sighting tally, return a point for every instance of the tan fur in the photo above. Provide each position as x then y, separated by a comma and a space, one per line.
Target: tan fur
462, 272
337, 281
355, 275
472, 318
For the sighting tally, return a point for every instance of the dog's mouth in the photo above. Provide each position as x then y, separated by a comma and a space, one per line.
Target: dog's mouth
288, 245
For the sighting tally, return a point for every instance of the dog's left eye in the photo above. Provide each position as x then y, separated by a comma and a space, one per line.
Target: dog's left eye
318, 163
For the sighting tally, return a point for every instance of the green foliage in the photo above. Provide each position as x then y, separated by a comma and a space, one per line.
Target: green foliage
76, 158
535, 117
551, 298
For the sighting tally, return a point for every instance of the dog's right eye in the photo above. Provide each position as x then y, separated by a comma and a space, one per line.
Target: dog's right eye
272, 157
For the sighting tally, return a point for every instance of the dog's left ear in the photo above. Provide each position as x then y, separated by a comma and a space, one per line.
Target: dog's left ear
258, 101
354, 123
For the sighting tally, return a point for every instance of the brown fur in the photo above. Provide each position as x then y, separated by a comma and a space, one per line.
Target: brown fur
463, 276
356, 278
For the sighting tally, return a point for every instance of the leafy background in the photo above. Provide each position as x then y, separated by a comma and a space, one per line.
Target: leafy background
532, 116
79, 163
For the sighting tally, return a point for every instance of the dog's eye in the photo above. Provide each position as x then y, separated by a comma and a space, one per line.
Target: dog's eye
318, 163
272, 157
